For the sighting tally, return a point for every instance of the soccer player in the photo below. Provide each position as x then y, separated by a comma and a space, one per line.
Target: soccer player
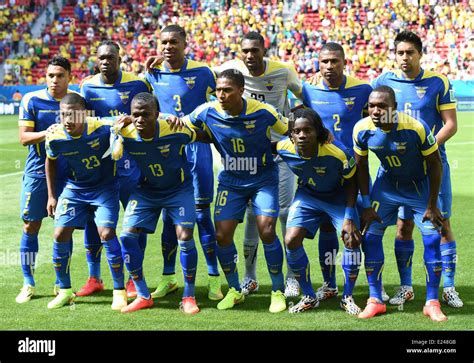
166, 183
239, 128
428, 96
340, 101
180, 85
38, 111
409, 175
320, 166
266, 81
110, 93
91, 184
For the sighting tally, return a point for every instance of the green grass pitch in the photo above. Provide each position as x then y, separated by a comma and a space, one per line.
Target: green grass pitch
94, 313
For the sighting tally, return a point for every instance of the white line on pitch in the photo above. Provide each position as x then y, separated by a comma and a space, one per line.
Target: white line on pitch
11, 174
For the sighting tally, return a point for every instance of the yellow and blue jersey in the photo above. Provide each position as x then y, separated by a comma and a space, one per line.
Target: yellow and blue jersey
401, 150
323, 174
339, 108
38, 109
161, 159
423, 97
180, 91
243, 141
83, 154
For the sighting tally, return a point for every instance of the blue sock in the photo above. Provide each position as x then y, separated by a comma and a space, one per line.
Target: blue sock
374, 260
404, 255
433, 264
169, 245
351, 260
207, 236
28, 253
227, 258
142, 240
93, 246
448, 256
274, 257
328, 249
113, 252
298, 261
188, 256
133, 258
61, 260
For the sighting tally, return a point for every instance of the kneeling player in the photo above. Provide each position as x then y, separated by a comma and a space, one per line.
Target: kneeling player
320, 167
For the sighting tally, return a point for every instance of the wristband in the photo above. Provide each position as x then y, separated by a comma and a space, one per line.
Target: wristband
366, 202
350, 213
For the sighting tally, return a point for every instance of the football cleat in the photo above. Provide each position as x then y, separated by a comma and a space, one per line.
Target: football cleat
167, 285
374, 307
402, 295
385, 296
432, 309
25, 295
214, 288
249, 286
138, 304
56, 289
131, 290
119, 299
349, 306
92, 285
292, 288
232, 298
278, 302
306, 303
65, 297
188, 305
325, 292
451, 297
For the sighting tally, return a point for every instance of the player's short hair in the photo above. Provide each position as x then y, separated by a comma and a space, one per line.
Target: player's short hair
409, 37
73, 99
313, 116
234, 75
109, 43
145, 97
59, 61
173, 28
255, 36
333, 47
388, 90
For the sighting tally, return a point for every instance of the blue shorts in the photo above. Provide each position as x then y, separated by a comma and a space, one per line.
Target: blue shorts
389, 197
127, 184
445, 197
231, 203
145, 205
200, 162
308, 211
34, 198
75, 207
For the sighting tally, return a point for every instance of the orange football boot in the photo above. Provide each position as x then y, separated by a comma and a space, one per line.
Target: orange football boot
138, 304
374, 307
432, 309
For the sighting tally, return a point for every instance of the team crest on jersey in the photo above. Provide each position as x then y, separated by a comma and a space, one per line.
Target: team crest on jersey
269, 85
401, 147
190, 81
350, 102
94, 144
320, 170
250, 125
164, 150
421, 91
124, 96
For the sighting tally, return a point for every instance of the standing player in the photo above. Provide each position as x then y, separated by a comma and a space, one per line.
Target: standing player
320, 167
266, 81
239, 129
409, 175
180, 85
38, 111
166, 183
340, 101
428, 96
110, 93
91, 184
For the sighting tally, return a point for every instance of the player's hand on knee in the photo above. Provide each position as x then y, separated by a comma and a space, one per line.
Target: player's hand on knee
51, 206
433, 214
153, 61
368, 216
350, 235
